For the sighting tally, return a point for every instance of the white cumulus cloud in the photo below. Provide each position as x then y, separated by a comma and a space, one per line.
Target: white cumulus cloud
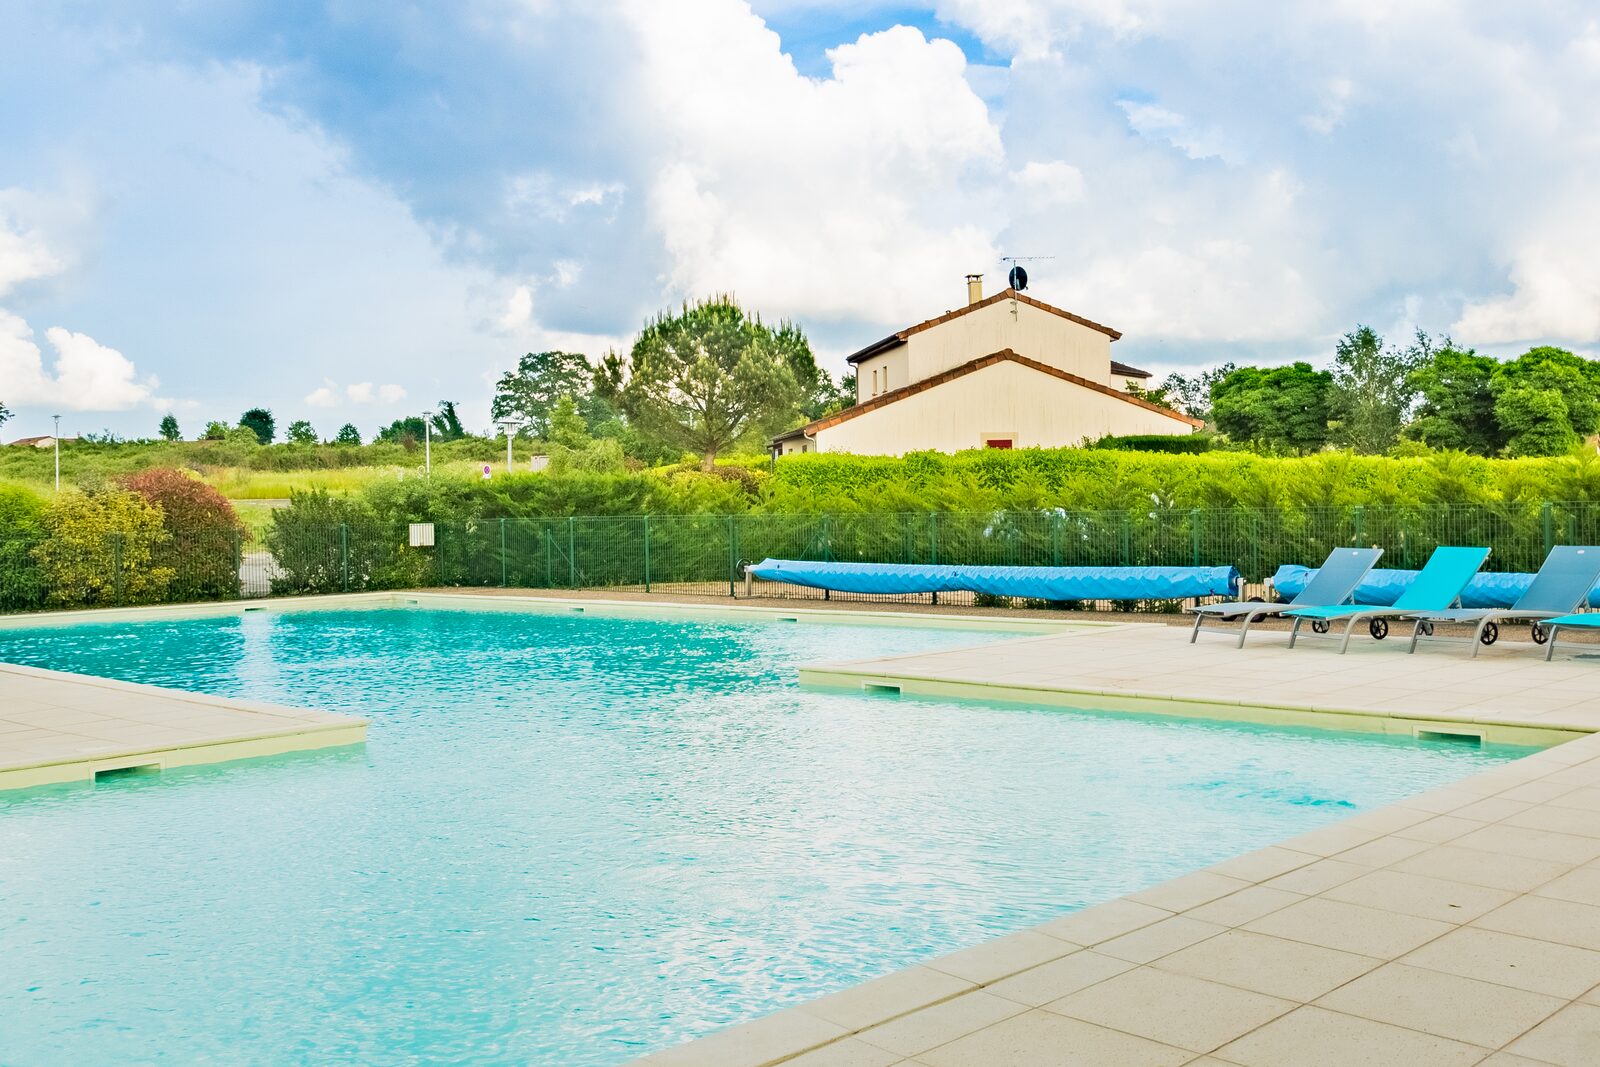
86, 375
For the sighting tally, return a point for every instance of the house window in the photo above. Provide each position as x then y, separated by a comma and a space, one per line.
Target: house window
997, 442
874, 381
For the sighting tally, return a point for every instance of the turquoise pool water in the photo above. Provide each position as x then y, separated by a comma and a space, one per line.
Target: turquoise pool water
572, 840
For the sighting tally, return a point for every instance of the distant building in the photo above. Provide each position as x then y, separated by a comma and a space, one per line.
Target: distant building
40, 442
1008, 371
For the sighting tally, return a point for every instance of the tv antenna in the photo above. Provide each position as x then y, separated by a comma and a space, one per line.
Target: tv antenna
1018, 277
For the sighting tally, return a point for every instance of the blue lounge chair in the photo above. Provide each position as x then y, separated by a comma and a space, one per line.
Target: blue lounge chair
1334, 583
1560, 588
1436, 587
1587, 621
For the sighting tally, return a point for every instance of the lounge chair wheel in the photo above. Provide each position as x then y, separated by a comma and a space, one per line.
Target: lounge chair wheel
1319, 626
1427, 629
1491, 633
1539, 634
1378, 628
1261, 617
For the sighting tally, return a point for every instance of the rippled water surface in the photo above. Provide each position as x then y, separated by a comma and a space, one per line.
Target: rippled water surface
571, 840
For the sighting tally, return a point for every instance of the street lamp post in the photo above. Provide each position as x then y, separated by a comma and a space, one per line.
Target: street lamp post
427, 443
510, 428
57, 441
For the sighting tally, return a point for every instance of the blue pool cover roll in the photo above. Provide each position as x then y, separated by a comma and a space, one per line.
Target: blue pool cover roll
1039, 583
1383, 587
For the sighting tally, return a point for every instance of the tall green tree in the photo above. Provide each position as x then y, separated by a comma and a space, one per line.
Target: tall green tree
348, 435
169, 428
261, 421
706, 376
1372, 392
1191, 393
528, 393
1546, 400
300, 432
408, 431
1455, 404
446, 423
1275, 409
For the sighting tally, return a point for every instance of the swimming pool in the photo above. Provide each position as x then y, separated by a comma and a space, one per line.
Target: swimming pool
572, 840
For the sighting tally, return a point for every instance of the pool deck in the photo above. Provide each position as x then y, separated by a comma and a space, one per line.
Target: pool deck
1460, 926
57, 727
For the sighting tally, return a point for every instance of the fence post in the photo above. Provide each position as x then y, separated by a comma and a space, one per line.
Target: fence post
1547, 517
344, 556
572, 552
502, 552
733, 554
1055, 538
548, 576
1194, 534
646, 553
238, 564
933, 537
116, 567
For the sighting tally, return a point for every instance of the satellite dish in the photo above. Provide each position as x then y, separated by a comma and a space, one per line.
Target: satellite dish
1018, 278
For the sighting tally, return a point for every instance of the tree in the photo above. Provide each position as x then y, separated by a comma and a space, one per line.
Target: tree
216, 431
300, 432
260, 420
1191, 393
5, 413
204, 534
1372, 393
169, 428
348, 435
706, 376
1455, 408
446, 423
528, 393
1277, 409
1545, 400
408, 431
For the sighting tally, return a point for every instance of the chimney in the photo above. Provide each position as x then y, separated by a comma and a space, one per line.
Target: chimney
974, 288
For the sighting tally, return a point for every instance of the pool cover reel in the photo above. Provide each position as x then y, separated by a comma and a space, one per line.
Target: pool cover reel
1038, 583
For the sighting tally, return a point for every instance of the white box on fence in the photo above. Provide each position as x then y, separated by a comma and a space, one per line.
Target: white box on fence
422, 535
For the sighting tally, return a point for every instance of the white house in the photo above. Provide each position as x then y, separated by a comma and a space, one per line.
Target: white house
1004, 372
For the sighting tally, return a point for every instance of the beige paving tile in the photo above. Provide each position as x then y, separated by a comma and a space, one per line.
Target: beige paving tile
1158, 939
1587, 799
1416, 894
1571, 1038
1041, 1038
1438, 829
1349, 927
1559, 921
1174, 1009
1561, 820
1189, 891
1054, 980
1315, 1037
1495, 870
1510, 960
1534, 844
1103, 922
885, 998
1245, 906
1581, 886
1271, 965
1383, 851
1445, 1005
941, 1023
1262, 864
1001, 957
1507, 1059
846, 1053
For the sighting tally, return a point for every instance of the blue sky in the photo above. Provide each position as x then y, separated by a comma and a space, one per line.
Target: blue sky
346, 211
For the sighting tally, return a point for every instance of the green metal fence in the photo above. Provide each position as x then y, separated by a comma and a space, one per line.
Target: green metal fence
707, 553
